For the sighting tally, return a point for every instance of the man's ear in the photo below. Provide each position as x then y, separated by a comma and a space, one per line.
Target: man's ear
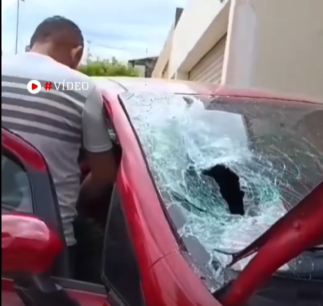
76, 55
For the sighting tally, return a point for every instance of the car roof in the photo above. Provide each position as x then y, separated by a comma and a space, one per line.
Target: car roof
155, 85
152, 85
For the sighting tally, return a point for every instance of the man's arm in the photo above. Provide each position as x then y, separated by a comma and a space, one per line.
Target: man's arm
98, 145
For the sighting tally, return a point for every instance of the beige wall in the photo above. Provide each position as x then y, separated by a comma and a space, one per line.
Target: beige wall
271, 44
161, 66
277, 45
202, 24
192, 36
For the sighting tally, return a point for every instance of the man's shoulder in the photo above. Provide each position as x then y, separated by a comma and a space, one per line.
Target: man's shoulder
73, 79
77, 76
10, 62
8, 58
38, 66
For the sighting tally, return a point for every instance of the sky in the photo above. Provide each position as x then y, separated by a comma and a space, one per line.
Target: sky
126, 29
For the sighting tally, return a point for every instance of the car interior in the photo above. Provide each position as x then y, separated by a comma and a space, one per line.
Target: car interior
99, 226
90, 225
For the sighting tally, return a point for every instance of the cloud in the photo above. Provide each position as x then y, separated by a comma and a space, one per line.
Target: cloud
125, 29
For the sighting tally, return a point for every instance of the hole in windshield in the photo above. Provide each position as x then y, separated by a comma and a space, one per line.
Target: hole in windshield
230, 190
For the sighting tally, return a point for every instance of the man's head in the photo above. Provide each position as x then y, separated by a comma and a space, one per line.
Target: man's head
59, 38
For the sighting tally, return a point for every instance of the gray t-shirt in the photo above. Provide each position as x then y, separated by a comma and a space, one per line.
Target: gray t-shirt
56, 122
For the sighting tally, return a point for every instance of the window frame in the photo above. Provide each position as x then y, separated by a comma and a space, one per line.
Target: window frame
13, 159
41, 183
115, 197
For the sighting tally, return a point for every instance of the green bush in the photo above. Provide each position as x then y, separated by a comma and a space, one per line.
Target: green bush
107, 67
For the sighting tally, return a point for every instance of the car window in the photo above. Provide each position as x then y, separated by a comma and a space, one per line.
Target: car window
210, 155
15, 186
120, 266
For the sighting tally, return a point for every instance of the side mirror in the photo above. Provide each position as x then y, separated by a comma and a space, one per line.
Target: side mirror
28, 245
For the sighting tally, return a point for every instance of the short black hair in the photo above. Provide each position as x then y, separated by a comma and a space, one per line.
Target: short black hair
54, 28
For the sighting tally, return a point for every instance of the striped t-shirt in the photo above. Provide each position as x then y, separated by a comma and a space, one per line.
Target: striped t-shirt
56, 122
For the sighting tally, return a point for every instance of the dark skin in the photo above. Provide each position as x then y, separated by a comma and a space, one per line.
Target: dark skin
65, 49
62, 47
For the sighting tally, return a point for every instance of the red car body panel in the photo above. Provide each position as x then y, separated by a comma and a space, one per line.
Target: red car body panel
21, 233
167, 278
177, 284
30, 155
10, 298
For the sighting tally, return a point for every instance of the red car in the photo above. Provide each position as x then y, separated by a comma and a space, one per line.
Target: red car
204, 174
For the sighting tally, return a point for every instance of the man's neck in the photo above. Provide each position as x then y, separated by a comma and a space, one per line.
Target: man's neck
40, 50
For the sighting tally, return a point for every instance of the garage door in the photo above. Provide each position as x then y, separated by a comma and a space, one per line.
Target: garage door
209, 68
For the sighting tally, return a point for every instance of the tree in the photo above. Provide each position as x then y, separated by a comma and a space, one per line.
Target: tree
108, 67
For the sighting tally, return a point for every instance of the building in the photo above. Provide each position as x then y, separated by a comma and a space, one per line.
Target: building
144, 66
162, 64
270, 44
151, 64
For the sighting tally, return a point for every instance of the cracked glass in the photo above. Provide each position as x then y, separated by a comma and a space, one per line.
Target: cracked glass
274, 147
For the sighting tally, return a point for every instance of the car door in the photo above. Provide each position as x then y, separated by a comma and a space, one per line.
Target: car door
27, 188
121, 274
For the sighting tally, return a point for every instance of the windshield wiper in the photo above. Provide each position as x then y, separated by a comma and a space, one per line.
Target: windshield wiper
185, 202
237, 258
300, 229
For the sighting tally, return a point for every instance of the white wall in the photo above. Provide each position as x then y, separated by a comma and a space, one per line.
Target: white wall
277, 45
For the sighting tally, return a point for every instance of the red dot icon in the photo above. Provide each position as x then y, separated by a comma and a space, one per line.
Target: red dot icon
34, 87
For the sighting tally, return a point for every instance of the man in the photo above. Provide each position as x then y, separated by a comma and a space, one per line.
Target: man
59, 123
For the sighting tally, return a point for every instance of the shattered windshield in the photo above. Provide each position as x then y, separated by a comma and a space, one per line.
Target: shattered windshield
228, 168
